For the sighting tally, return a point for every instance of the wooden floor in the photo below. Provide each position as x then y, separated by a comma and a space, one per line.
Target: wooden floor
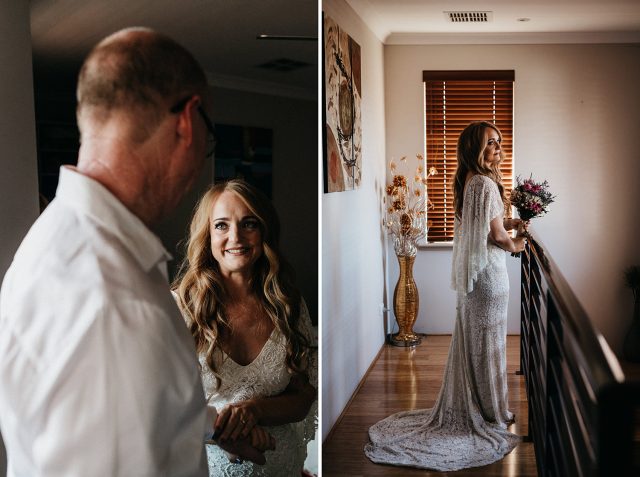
405, 378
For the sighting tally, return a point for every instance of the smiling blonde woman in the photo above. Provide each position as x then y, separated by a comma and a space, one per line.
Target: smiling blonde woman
251, 328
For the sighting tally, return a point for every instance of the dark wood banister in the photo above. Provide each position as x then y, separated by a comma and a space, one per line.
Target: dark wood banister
597, 352
582, 410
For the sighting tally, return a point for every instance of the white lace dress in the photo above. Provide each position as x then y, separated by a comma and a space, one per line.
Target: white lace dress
467, 427
267, 375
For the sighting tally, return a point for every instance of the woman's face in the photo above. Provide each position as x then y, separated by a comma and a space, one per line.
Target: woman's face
236, 239
492, 151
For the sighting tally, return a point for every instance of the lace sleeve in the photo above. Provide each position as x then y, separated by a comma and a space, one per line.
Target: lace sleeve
482, 203
310, 423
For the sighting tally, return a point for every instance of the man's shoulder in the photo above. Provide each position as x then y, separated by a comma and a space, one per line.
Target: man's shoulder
56, 233
63, 260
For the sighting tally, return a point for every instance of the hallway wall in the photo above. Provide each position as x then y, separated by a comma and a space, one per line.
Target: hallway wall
352, 241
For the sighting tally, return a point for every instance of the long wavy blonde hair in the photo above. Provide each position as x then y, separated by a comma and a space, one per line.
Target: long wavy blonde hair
200, 288
470, 154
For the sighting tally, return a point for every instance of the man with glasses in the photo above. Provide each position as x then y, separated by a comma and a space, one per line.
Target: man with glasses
99, 373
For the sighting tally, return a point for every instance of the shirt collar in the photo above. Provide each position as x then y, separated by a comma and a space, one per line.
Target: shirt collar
91, 198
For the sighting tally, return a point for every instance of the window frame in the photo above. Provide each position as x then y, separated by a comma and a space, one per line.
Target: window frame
500, 79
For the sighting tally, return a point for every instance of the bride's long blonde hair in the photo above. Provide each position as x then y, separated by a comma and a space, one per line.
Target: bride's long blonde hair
470, 154
201, 292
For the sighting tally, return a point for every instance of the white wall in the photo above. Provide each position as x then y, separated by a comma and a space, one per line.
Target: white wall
577, 119
352, 241
19, 177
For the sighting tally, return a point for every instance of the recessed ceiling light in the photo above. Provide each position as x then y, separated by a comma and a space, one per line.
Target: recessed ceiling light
524, 19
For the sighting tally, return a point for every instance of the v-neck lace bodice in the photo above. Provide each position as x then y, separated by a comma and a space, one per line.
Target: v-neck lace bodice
229, 357
266, 375
262, 377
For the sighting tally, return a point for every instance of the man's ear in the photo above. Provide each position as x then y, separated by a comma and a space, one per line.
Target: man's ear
184, 126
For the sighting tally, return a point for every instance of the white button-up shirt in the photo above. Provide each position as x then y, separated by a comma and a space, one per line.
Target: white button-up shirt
98, 373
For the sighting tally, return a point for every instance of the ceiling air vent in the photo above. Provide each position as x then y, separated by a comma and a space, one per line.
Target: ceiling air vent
469, 17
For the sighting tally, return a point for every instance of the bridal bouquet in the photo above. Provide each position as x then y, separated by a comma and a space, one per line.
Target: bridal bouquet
531, 199
406, 205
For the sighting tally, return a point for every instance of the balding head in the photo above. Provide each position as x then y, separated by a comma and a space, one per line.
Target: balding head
138, 73
140, 96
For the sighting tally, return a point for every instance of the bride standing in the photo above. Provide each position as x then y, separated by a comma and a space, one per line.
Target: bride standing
467, 427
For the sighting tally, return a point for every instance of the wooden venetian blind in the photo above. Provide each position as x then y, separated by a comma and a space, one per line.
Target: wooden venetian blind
453, 99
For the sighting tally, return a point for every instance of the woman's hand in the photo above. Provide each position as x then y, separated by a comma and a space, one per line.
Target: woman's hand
261, 439
243, 449
519, 243
510, 224
499, 236
236, 420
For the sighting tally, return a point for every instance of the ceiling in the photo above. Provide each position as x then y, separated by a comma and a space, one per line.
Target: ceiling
220, 33
549, 21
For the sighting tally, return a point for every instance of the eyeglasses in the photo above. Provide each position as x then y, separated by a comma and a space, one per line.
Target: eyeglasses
211, 130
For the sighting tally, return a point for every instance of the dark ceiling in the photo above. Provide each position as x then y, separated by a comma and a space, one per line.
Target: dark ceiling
220, 33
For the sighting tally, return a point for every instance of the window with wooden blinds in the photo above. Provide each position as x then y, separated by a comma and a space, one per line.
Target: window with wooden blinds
453, 99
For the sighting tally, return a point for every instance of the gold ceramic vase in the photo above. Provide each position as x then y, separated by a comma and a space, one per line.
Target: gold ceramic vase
405, 304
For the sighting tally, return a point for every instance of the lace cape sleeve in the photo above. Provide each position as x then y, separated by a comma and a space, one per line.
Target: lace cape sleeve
310, 423
482, 203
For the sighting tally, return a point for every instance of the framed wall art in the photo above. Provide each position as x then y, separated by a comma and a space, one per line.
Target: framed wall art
342, 112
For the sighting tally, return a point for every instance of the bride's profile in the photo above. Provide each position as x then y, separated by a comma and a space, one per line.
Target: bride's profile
467, 426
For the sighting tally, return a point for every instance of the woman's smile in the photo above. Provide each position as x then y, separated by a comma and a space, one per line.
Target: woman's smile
238, 250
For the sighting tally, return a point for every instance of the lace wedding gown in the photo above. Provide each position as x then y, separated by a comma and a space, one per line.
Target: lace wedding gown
267, 375
467, 427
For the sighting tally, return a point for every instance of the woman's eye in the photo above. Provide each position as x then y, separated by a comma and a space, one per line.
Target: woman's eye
220, 226
251, 224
